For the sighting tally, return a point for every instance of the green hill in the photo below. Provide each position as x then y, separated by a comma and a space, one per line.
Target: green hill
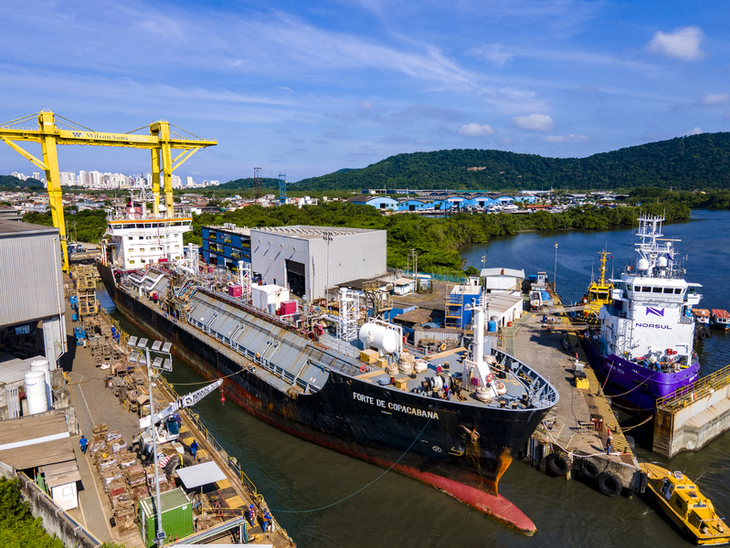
8, 182
684, 163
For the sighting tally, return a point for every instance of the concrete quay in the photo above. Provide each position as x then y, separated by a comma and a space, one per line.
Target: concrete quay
572, 440
226, 500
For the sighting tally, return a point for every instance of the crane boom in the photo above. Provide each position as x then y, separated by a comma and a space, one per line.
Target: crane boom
182, 403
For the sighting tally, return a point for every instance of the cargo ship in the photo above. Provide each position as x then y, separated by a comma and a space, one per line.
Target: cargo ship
454, 422
644, 347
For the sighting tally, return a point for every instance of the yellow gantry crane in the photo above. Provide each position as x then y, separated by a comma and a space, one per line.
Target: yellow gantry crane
160, 142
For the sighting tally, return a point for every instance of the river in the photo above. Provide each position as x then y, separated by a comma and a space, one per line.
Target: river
311, 489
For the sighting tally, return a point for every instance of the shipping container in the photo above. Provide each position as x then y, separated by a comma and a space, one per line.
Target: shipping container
177, 516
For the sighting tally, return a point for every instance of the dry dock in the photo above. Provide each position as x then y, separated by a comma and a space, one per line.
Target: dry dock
223, 504
694, 415
572, 440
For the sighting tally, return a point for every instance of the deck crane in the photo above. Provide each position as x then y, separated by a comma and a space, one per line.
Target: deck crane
160, 142
181, 403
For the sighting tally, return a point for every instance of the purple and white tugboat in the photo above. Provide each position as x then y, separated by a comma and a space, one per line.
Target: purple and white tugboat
643, 348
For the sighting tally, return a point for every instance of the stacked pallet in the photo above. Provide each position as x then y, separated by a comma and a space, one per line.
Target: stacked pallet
111, 475
135, 475
126, 460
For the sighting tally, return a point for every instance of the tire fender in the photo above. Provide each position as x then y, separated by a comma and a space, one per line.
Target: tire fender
609, 484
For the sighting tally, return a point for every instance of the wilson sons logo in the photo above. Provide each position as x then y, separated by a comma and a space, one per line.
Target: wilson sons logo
100, 136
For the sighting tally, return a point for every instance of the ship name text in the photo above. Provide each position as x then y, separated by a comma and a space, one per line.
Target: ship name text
653, 325
395, 406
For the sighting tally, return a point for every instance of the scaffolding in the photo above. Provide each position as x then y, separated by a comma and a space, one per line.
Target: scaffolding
349, 315
378, 300
245, 279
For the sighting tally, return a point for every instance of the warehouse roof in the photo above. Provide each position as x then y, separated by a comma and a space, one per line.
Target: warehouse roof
14, 228
35, 441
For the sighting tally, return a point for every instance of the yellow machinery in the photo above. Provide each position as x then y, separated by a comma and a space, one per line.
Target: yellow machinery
160, 142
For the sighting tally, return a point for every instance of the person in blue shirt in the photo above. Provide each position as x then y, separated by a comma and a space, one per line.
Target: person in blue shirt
83, 443
267, 521
194, 448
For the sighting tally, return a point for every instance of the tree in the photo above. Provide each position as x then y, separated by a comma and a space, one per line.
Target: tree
18, 529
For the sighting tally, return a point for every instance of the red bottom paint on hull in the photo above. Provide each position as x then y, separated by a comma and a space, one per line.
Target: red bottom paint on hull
495, 507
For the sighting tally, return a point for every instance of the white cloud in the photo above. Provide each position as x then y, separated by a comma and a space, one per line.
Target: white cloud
476, 130
569, 138
494, 53
715, 98
683, 43
539, 122
695, 131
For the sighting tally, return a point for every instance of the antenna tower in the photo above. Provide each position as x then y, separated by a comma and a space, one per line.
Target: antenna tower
257, 182
282, 188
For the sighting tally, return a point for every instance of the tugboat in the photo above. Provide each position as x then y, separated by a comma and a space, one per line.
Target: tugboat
720, 319
597, 295
692, 512
644, 347
702, 320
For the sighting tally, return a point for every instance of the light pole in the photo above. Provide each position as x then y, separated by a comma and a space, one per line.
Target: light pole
158, 363
328, 237
555, 272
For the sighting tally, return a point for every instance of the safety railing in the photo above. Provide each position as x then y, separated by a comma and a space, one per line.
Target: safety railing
697, 390
232, 462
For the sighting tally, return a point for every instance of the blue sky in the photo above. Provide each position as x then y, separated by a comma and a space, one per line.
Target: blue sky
308, 88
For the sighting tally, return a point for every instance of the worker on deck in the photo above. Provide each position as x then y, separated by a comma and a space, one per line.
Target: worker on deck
252, 515
194, 448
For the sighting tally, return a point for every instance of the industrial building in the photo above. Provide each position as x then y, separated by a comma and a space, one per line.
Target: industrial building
310, 259
31, 291
226, 245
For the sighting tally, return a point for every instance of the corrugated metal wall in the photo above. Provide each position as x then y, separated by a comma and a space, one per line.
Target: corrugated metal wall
31, 283
351, 256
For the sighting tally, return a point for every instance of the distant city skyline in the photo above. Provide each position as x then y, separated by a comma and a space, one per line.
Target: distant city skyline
109, 181
311, 88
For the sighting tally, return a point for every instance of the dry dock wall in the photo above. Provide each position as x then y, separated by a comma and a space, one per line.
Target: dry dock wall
693, 424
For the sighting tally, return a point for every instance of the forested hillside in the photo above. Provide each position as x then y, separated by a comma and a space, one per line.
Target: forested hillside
8, 182
685, 163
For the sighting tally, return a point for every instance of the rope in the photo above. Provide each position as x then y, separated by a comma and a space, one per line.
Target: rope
362, 488
627, 428
571, 453
607, 376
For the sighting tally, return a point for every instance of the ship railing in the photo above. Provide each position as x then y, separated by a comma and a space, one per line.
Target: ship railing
685, 395
231, 462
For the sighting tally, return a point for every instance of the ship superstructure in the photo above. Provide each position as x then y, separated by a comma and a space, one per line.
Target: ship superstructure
140, 239
645, 344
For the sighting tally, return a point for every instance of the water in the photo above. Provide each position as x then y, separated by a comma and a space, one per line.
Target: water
297, 476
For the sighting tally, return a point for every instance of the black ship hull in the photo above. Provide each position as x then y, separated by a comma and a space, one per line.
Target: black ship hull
460, 449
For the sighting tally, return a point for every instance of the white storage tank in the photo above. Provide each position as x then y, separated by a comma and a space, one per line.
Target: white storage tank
35, 392
42, 364
384, 340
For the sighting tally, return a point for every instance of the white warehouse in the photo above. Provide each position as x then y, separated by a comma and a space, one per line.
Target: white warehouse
309, 259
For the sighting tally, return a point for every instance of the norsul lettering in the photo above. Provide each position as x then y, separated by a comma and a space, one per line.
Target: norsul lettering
653, 326
407, 409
